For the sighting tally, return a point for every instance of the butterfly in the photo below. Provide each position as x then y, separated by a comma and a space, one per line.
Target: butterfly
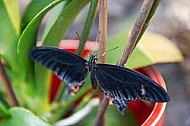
121, 85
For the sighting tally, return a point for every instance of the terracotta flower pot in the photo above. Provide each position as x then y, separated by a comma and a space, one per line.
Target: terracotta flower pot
146, 113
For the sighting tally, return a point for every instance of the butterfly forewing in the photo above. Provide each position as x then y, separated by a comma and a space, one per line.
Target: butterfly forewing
68, 67
123, 85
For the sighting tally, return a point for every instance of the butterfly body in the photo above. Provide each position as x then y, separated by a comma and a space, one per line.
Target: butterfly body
91, 64
120, 84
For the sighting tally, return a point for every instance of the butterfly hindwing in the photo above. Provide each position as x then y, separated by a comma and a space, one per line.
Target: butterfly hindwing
123, 85
68, 67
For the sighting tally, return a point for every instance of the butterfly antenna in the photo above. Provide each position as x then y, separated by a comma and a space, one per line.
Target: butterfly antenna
109, 50
77, 35
96, 40
79, 38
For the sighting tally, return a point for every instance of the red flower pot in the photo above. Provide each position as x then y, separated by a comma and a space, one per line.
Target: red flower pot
146, 113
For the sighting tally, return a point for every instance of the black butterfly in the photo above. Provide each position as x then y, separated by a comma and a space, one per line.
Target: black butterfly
120, 84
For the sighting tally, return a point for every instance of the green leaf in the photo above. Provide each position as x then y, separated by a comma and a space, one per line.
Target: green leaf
113, 118
3, 111
34, 7
22, 117
156, 49
66, 17
88, 25
53, 17
26, 43
9, 31
3, 98
28, 40
53, 37
153, 48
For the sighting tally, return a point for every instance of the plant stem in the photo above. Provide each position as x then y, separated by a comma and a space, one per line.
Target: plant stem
103, 10
7, 86
100, 119
134, 37
150, 16
87, 26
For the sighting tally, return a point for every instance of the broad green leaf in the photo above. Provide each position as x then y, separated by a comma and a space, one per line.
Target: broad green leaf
34, 7
157, 48
9, 34
22, 117
53, 17
151, 49
13, 13
88, 25
55, 34
64, 20
28, 40
26, 43
3, 97
3, 111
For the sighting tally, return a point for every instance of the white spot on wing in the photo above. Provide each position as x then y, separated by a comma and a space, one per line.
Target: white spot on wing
143, 92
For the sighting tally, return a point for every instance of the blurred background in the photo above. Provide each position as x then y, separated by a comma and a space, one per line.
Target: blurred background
172, 20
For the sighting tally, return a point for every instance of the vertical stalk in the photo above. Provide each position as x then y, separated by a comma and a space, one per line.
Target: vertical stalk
134, 36
87, 26
103, 8
103, 11
7, 86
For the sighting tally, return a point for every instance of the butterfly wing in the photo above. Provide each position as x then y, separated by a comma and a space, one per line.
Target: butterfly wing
122, 85
69, 67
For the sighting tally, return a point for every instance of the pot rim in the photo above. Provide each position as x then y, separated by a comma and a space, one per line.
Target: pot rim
159, 108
